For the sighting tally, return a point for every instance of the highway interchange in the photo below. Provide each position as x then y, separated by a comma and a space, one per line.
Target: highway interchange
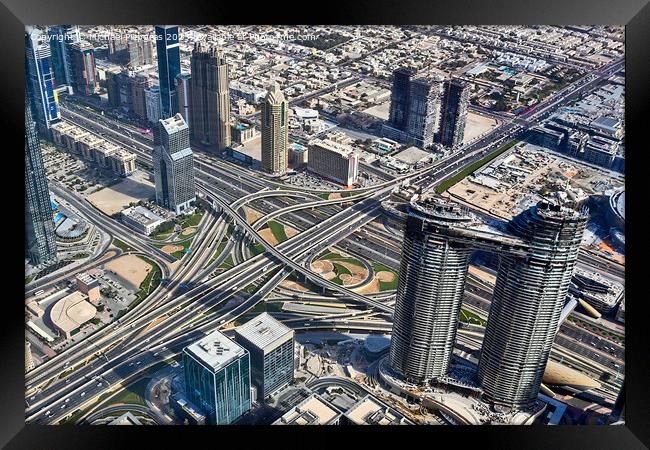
174, 315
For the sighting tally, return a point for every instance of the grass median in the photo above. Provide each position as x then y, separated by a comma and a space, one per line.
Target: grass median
446, 184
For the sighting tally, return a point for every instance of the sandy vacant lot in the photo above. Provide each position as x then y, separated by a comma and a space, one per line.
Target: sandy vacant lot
334, 196
114, 199
129, 268
380, 111
476, 125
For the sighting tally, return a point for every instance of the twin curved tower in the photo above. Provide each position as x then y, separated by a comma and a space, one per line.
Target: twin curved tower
538, 255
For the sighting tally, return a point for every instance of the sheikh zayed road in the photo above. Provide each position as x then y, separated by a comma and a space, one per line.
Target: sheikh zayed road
324, 225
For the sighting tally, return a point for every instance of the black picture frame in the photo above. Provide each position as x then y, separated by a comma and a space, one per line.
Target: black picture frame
634, 14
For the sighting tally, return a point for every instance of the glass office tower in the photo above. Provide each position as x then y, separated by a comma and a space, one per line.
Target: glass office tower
217, 378
169, 67
270, 344
40, 79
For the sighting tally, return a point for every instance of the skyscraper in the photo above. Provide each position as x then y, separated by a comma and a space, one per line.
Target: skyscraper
173, 165
270, 345
275, 132
399, 97
210, 106
152, 103
429, 291
61, 37
453, 113
40, 79
138, 86
528, 299
184, 97
414, 113
169, 66
217, 378
40, 243
84, 72
424, 110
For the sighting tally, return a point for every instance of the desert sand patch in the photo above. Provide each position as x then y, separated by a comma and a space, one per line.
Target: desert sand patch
172, 248
357, 271
130, 268
290, 232
188, 231
482, 274
385, 276
334, 196
293, 285
268, 236
370, 288
322, 266
476, 125
251, 215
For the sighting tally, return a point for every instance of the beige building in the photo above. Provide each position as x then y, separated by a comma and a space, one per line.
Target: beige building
210, 105
88, 285
93, 148
103, 152
139, 83
71, 312
87, 144
122, 162
275, 132
314, 410
333, 160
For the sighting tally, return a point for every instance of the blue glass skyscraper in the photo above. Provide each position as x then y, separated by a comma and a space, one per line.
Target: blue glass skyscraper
61, 37
40, 79
169, 66
217, 378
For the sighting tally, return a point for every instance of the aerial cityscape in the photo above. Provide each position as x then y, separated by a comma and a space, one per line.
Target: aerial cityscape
324, 225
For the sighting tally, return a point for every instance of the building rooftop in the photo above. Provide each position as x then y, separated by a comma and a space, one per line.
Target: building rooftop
142, 215
84, 277
173, 124
342, 149
72, 311
126, 419
314, 410
216, 350
265, 332
370, 411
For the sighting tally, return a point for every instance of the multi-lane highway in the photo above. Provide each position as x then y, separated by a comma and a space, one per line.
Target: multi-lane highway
169, 322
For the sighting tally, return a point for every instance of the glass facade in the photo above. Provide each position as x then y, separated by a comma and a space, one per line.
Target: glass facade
40, 79
278, 368
223, 394
169, 67
40, 243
